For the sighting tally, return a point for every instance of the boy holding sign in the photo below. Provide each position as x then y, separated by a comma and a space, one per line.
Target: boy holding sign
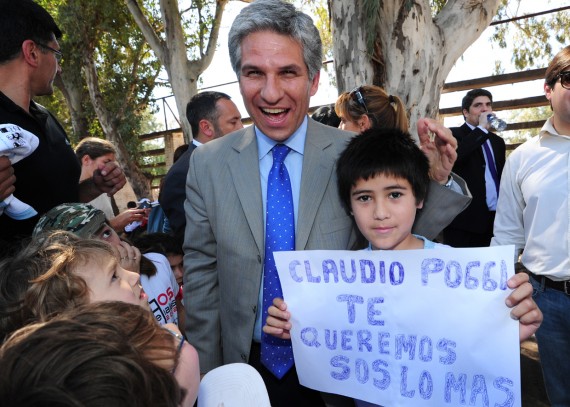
382, 182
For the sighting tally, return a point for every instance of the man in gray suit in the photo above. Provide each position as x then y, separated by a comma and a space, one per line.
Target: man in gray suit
276, 52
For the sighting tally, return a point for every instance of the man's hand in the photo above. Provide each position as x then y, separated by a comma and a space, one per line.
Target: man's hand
439, 145
524, 309
7, 178
109, 178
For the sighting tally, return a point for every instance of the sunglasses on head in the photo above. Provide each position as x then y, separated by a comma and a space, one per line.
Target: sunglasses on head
357, 94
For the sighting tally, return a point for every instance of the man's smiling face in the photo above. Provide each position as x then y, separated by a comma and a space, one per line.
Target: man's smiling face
274, 83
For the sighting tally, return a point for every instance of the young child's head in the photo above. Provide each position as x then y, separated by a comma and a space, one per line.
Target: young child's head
382, 181
111, 354
167, 245
84, 220
87, 222
58, 271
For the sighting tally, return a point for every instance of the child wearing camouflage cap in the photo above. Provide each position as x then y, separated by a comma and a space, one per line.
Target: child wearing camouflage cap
156, 275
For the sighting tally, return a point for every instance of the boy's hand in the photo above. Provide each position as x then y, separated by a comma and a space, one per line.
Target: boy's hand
524, 309
129, 257
277, 323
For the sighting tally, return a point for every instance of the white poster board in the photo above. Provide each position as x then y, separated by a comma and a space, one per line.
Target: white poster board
405, 328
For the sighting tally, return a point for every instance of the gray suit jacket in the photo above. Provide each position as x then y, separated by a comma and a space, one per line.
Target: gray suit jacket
224, 240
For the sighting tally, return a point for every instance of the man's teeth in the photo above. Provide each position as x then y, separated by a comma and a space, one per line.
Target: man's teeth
274, 111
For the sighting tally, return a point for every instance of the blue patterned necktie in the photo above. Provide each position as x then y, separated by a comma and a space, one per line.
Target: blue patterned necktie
492, 166
277, 354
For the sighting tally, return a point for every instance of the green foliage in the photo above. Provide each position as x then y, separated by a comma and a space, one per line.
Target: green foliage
436, 6
532, 41
105, 32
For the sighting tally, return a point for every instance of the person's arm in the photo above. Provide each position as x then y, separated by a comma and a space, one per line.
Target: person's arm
128, 216
108, 179
277, 323
173, 194
509, 225
201, 290
7, 178
524, 309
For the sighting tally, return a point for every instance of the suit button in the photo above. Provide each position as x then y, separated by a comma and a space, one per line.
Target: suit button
258, 258
244, 357
254, 309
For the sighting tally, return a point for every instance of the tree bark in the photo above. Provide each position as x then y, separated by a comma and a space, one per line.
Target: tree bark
138, 180
410, 53
73, 94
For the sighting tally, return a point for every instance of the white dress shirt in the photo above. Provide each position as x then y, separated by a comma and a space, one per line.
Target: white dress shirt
533, 211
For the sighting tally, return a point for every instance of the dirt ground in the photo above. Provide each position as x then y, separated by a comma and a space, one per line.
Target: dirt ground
533, 391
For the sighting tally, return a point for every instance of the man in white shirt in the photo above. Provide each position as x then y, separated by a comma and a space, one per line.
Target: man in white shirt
533, 214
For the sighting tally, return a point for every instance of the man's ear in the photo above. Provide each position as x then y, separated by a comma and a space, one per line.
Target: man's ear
206, 128
30, 52
420, 205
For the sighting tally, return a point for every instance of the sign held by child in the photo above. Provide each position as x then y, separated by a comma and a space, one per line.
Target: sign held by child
406, 328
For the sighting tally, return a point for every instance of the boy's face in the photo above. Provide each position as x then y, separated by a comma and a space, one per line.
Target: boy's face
176, 262
384, 208
108, 234
107, 281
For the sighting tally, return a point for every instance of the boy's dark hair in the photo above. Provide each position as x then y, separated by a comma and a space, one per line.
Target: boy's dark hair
24, 20
162, 243
382, 151
468, 99
203, 106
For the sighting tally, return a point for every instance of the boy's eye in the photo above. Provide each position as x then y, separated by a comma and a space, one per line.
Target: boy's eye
106, 234
395, 195
363, 198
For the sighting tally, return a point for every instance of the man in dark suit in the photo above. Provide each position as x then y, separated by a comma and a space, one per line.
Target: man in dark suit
276, 53
480, 162
211, 115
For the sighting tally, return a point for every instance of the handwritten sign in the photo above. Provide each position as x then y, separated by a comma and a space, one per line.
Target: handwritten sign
405, 328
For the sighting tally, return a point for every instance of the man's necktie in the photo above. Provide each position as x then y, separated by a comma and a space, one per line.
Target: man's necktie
492, 166
277, 354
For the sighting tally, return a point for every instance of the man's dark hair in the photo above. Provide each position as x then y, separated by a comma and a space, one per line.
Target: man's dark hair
203, 106
383, 151
179, 151
471, 95
326, 115
23, 20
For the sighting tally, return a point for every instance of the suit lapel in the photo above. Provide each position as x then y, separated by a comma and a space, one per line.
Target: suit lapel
244, 167
318, 164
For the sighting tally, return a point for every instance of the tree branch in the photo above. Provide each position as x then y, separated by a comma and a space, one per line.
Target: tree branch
150, 35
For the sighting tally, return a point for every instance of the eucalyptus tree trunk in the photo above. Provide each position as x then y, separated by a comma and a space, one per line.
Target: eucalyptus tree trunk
108, 121
399, 46
72, 91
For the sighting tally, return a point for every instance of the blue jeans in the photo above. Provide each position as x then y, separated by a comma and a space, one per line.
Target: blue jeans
553, 339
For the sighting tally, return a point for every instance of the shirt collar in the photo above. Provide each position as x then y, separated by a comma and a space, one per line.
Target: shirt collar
548, 129
295, 142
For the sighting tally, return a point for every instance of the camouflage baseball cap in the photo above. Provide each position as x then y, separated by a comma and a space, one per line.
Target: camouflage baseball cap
81, 219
